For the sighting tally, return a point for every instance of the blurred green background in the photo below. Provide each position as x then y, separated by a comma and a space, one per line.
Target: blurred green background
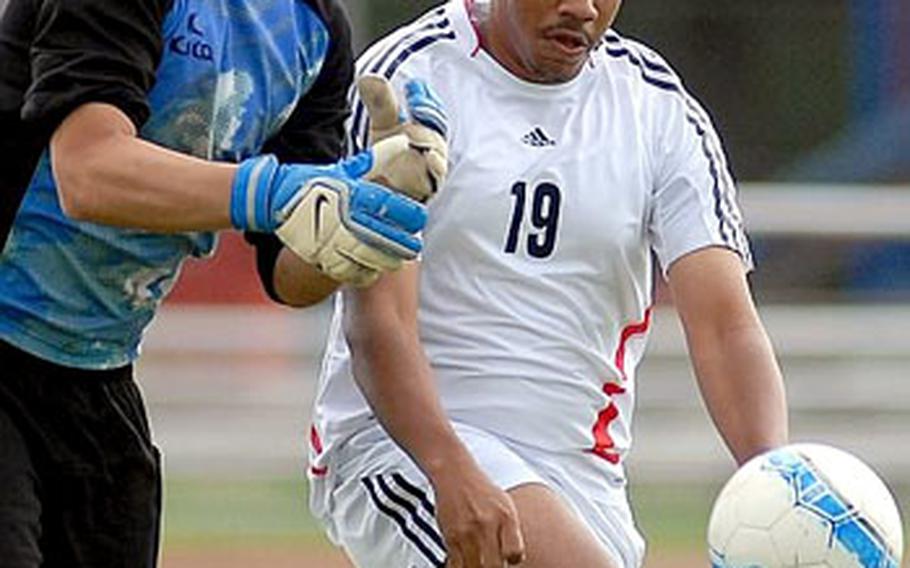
808, 91
784, 80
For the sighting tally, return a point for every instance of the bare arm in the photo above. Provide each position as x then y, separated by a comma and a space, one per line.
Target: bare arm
476, 518
393, 373
730, 351
106, 174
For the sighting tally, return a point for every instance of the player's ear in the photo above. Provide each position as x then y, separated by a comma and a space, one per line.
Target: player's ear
382, 104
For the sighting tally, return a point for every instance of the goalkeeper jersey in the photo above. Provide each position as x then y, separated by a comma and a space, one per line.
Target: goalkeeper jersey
232, 78
536, 280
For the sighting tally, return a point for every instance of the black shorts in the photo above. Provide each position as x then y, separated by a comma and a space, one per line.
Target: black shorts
80, 481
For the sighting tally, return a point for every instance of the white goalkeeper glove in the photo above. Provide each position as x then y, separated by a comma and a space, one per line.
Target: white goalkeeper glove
420, 171
348, 228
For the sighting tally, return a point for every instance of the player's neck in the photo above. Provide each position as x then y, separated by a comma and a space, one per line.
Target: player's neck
496, 44
497, 36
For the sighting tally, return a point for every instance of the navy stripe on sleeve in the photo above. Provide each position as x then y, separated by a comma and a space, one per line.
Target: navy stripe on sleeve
386, 65
662, 77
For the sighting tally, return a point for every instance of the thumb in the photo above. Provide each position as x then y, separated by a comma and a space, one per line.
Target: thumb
382, 104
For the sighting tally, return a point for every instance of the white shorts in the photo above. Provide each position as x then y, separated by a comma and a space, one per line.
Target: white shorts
376, 504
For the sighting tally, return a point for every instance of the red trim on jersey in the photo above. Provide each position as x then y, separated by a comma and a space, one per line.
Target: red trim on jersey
603, 442
627, 333
475, 25
604, 445
316, 444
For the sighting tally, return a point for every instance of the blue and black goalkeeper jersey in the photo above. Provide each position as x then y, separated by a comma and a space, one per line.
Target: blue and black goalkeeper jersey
218, 79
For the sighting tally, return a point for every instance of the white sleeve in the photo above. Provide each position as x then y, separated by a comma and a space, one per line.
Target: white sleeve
694, 196
390, 58
358, 125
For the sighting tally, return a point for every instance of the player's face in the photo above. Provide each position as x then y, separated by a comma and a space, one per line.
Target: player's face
547, 41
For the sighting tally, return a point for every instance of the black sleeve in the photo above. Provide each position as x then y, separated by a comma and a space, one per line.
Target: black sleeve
93, 51
58, 54
20, 150
314, 134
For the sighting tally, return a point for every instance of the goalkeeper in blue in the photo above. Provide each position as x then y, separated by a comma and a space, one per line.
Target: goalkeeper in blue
131, 132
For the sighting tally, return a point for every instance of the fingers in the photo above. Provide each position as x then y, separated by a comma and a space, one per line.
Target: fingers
385, 237
471, 552
410, 156
504, 546
353, 232
368, 259
382, 104
347, 260
357, 268
388, 211
425, 106
491, 540
437, 168
510, 539
413, 162
480, 551
454, 559
341, 269
388, 207
490, 554
387, 155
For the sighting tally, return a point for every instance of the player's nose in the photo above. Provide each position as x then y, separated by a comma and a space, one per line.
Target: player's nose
580, 10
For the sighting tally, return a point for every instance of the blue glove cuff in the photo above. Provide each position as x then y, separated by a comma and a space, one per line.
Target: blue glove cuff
251, 194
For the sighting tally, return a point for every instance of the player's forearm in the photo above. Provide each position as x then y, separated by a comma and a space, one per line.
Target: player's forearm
743, 388
105, 174
732, 356
395, 378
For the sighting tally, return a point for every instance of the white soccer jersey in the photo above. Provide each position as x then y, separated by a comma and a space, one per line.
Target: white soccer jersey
536, 280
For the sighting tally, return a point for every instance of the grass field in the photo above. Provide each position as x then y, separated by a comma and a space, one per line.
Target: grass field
252, 524
257, 523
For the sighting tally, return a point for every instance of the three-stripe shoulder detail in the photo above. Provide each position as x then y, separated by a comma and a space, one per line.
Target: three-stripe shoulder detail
388, 57
654, 71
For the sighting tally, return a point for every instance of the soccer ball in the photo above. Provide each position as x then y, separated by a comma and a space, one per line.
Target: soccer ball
805, 506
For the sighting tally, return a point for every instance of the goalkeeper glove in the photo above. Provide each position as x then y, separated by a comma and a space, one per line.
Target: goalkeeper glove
346, 227
421, 170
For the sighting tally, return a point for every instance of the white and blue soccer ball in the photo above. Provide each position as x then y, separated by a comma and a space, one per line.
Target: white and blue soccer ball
805, 506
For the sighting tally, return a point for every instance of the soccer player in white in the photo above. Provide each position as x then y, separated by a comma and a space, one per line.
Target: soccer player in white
480, 414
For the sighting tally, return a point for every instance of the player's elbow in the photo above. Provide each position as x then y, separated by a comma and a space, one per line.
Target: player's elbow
89, 154
359, 334
75, 177
380, 321
371, 332
295, 283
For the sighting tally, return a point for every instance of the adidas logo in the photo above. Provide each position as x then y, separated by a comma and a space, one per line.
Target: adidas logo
538, 138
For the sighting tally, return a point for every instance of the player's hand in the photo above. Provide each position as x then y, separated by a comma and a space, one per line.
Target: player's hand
479, 522
350, 229
420, 171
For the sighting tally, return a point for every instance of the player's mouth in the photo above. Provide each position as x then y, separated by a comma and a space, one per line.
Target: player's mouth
571, 43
